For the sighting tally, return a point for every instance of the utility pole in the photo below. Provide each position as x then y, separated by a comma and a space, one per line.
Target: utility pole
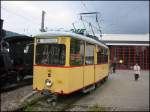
42, 22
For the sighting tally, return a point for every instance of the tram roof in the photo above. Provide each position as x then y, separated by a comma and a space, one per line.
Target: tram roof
70, 34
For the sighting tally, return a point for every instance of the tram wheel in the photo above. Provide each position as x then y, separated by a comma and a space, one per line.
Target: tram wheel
98, 84
53, 103
106, 78
102, 81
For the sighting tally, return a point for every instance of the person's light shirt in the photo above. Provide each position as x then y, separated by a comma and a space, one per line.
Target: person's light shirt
137, 69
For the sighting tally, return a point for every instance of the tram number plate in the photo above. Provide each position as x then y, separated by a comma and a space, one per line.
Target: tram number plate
46, 40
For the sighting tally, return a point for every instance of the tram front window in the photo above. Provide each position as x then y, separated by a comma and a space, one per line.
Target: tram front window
50, 54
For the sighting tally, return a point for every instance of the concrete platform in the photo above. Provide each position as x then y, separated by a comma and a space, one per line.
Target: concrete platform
121, 92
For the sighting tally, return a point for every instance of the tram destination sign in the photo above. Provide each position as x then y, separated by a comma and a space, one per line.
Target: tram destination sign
46, 40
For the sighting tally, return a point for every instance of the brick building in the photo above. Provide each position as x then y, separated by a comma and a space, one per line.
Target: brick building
129, 49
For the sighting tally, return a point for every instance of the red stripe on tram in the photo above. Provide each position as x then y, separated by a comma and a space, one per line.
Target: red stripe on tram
67, 66
57, 66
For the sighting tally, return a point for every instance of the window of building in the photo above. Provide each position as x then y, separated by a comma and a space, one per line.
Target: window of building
76, 52
89, 57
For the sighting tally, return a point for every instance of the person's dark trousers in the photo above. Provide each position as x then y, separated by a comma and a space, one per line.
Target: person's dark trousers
114, 70
136, 76
114, 67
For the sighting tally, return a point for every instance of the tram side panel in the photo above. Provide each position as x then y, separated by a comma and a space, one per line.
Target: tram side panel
99, 73
102, 65
106, 63
75, 78
98, 67
104, 68
88, 75
75, 74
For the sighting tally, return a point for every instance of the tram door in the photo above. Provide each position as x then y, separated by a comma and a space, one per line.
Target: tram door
89, 65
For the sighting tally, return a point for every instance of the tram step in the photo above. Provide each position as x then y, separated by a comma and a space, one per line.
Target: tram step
85, 90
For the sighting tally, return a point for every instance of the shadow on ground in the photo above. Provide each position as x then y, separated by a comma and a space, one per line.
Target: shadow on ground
13, 86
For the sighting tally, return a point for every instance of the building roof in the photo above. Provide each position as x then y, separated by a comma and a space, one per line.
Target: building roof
70, 34
126, 39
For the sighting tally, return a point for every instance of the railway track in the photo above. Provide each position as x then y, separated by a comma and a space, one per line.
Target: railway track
40, 103
13, 86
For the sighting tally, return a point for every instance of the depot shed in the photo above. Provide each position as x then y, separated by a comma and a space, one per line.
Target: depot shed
129, 49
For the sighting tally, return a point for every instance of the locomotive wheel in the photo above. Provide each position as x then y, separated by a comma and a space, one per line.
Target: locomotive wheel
19, 77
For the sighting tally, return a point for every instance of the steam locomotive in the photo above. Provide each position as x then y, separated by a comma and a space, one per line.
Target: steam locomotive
15, 64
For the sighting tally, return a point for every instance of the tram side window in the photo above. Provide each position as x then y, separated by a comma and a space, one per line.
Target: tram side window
50, 54
76, 52
102, 55
99, 55
105, 56
89, 58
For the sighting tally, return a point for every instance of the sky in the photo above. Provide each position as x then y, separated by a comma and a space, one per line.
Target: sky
116, 17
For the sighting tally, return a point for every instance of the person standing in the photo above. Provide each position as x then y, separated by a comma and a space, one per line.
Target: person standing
114, 64
111, 67
136, 71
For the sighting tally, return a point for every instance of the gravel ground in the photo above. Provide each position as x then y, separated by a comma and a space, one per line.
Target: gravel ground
120, 93
10, 100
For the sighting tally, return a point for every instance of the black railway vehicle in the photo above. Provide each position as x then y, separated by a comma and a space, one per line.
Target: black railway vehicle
21, 59
14, 63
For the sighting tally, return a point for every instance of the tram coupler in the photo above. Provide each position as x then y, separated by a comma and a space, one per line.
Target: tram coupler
52, 98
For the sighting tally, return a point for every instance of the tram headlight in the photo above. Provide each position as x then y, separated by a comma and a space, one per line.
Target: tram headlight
48, 83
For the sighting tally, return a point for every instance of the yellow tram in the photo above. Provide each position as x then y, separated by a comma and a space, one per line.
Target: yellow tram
66, 62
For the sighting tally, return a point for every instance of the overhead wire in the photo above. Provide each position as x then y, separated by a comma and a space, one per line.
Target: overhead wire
84, 6
29, 20
19, 15
82, 3
98, 29
97, 20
